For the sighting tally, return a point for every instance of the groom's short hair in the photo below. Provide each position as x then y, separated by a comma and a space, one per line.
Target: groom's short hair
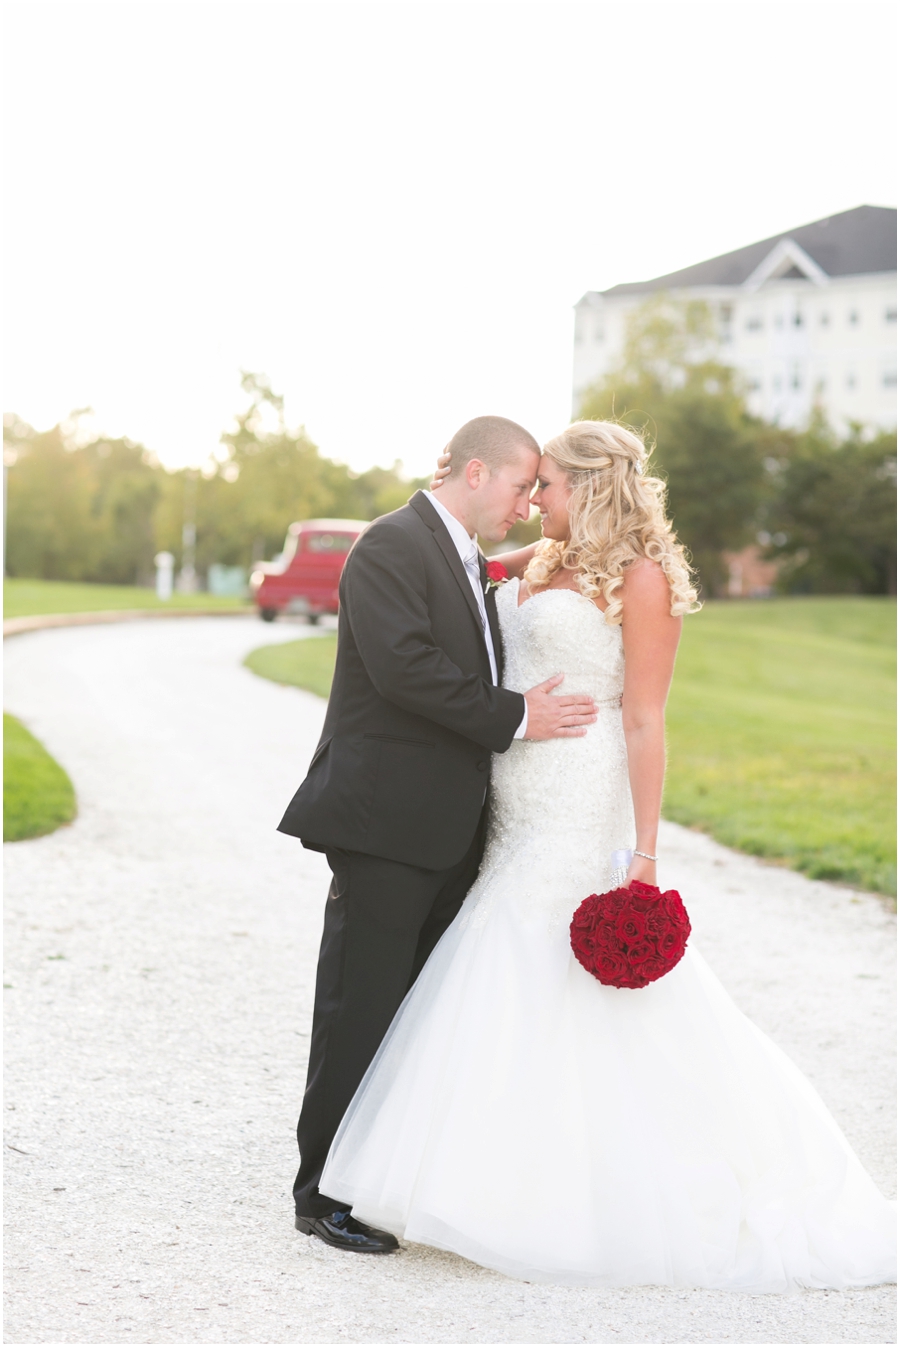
491, 439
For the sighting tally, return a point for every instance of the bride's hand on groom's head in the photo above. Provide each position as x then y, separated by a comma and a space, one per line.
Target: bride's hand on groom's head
552, 717
441, 471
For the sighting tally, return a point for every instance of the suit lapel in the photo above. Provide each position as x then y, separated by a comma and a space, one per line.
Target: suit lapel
490, 604
430, 516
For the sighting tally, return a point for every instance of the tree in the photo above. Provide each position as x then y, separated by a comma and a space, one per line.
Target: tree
690, 407
79, 512
271, 475
833, 519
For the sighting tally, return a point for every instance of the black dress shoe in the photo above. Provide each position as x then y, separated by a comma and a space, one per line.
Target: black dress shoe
343, 1231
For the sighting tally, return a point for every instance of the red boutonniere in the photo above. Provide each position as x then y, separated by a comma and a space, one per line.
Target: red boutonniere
497, 574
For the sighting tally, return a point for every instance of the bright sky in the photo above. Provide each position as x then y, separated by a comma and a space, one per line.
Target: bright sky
391, 208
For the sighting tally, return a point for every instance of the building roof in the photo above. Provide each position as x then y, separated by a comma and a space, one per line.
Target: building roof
850, 244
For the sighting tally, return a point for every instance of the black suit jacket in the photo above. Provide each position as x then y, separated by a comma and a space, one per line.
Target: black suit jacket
402, 765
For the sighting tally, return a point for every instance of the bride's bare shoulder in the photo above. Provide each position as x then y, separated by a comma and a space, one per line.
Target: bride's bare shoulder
645, 583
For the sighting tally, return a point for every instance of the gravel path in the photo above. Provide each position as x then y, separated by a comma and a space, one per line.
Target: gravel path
161, 956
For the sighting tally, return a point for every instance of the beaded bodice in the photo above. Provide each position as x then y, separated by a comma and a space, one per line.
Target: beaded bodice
558, 807
559, 631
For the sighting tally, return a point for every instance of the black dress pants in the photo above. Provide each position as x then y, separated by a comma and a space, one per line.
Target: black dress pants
382, 920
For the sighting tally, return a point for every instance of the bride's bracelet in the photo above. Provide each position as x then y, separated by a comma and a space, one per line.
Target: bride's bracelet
645, 856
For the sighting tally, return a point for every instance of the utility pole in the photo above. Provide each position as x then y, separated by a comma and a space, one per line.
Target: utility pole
187, 578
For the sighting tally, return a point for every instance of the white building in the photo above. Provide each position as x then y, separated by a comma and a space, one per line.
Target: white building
809, 318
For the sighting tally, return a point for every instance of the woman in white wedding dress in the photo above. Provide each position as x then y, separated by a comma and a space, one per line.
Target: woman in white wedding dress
520, 1113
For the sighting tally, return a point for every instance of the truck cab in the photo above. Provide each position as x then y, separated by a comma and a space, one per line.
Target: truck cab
305, 578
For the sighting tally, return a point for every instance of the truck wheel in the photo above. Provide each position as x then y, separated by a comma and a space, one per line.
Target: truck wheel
313, 619
268, 614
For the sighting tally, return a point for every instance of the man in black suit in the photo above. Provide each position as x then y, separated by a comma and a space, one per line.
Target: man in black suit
395, 791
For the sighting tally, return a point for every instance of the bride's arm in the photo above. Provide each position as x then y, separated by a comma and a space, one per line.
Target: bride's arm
515, 562
650, 639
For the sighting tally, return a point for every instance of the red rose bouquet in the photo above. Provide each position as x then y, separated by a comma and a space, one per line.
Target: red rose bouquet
630, 936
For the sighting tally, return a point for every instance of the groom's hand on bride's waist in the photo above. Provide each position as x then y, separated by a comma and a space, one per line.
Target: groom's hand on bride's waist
552, 717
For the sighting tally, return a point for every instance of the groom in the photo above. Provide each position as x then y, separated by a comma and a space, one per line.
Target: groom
396, 789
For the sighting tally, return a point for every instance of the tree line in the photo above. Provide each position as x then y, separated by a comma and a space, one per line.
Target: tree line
100, 510
821, 505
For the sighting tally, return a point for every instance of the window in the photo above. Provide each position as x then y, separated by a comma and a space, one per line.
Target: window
599, 333
796, 381
890, 315
755, 385
890, 379
329, 542
779, 321
754, 323
821, 384
851, 381
798, 319
824, 319
776, 383
853, 318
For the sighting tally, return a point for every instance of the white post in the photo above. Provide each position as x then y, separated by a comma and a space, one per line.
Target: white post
165, 565
187, 576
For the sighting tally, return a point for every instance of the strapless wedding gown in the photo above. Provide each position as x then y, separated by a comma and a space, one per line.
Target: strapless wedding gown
536, 1122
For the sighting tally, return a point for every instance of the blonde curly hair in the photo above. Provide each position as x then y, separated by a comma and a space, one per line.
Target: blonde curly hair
617, 515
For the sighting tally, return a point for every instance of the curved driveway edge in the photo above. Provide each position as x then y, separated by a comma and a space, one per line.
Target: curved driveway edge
18, 626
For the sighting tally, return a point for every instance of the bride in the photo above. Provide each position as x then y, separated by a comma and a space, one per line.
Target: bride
520, 1113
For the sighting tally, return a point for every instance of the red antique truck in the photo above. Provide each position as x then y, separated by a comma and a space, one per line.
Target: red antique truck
304, 579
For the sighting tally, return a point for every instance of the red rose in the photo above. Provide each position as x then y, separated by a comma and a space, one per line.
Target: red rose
631, 980
654, 968
631, 926
496, 572
610, 968
639, 953
655, 923
669, 941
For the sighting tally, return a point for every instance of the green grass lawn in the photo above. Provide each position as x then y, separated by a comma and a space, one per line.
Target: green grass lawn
307, 664
781, 729
38, 796
27, 598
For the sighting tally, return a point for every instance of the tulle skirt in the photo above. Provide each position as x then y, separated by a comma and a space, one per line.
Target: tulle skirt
522, 1115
